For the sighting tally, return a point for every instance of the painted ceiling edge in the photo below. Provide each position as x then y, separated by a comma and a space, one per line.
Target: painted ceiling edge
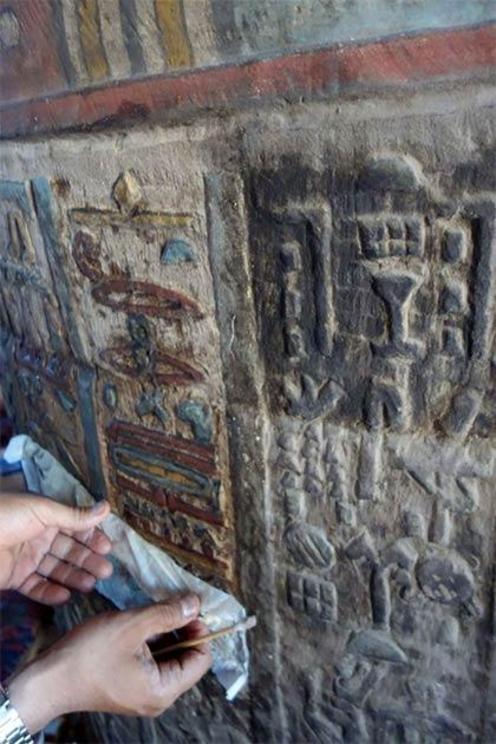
335, 70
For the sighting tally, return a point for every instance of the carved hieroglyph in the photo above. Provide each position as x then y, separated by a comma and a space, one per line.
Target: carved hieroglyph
272, 347
39, 330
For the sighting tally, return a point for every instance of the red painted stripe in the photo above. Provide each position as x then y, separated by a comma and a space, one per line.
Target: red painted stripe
401, 60
169, 501
200, 457
174, 504
124, 432
150, 494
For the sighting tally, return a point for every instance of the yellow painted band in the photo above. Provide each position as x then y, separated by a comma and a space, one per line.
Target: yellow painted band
91, 41
170, 17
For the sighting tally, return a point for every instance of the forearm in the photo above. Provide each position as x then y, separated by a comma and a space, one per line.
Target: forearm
38, 692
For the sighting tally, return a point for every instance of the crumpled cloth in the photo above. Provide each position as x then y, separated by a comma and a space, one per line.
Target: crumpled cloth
142, 572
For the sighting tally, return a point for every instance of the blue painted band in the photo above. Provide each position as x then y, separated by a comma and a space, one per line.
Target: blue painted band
201, 486
15, 191
86, 380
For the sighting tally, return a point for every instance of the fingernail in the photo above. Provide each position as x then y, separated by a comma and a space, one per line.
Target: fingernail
190, 604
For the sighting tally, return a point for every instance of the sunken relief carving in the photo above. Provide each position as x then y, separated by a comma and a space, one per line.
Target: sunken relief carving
46, 383
357, 314
374, 301
364, 292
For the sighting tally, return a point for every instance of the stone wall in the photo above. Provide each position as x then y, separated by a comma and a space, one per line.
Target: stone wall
270, 341
267, 336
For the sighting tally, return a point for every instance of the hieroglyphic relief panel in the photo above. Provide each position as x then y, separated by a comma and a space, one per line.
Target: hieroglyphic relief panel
374, 296
143, 282
110, 348
44, 384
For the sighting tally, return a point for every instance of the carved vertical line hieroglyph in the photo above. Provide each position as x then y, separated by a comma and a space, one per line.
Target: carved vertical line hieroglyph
91, 40
323, 286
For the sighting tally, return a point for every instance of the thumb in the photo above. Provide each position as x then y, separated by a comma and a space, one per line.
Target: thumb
70, 518
165, 617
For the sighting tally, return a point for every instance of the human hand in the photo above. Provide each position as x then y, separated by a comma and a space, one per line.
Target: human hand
47, 548
106, 665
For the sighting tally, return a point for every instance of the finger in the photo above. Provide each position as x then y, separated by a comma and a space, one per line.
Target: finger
66, 574
167, 616
71, 551
182, 672
70, 518
195, 629
95, 540
158, 645
41, 589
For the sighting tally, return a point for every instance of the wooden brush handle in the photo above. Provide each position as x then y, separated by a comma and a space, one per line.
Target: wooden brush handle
192, 642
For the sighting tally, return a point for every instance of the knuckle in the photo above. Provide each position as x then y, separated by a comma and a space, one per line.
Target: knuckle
152, 710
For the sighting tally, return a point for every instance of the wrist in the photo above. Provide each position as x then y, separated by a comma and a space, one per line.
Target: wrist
39, 691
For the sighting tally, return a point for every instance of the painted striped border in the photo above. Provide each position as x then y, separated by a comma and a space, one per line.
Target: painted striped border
109, 40
454, 54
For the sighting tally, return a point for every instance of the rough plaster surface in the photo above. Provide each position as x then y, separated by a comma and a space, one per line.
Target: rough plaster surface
336, 275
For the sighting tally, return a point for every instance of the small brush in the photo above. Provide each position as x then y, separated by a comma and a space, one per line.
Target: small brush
247, 624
